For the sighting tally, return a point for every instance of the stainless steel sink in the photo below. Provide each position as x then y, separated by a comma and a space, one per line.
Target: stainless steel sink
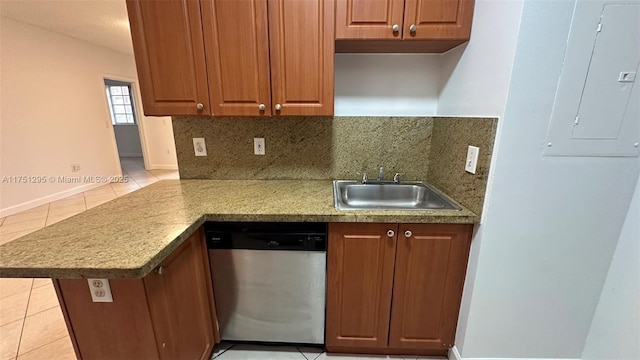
353, 195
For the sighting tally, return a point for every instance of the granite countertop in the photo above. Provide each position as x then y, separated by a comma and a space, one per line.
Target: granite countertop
131, 235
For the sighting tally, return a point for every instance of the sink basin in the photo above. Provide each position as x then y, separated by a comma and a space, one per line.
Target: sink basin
353, 195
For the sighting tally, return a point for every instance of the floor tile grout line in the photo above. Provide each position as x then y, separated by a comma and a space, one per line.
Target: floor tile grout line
41, 346
24, 319
45, 223
224, 351
41, 311
301, 353
85, 201
21, 221
31, 229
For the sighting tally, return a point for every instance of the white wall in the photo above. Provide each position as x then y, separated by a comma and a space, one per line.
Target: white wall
615, 330
128, 140
550, 226
386, 84
54, 113
158, 141
474, 78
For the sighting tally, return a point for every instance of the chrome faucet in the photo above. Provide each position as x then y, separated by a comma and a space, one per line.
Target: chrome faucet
381, 174
396, 178
364, 178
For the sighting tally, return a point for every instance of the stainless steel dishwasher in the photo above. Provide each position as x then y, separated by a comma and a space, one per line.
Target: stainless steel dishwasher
269, 280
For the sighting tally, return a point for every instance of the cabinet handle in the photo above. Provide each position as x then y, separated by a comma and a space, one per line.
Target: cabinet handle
390, 233
200, 106
261, 107
278, 107
408, 233
395, 28
160, 270
413, 28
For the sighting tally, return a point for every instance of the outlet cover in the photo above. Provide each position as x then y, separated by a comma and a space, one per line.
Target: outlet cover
199, 147
100, 290
258, 146
472, 159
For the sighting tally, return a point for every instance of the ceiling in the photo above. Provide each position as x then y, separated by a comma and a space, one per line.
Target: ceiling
102, 22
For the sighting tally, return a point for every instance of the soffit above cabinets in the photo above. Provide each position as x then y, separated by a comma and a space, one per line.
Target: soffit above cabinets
597, 106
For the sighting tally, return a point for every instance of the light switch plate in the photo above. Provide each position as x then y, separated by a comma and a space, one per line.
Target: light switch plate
472, 159
258, 146
627, 76
199, 147
100, 290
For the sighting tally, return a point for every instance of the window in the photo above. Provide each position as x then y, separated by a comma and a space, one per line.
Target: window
120, 102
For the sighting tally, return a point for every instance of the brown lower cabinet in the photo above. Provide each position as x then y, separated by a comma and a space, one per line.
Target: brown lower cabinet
395, 288
169, 314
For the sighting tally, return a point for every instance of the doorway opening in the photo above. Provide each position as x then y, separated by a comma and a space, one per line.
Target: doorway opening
125, 121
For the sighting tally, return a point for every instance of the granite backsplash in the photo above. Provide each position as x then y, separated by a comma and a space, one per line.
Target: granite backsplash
421, 148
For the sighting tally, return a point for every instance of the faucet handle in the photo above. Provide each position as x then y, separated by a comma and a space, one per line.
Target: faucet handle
365, 178
396, 178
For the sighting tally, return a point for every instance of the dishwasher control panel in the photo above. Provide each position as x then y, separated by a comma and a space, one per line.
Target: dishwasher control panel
266, 236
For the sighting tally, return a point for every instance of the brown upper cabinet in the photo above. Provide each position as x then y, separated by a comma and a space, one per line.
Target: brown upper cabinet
169, 52
263, 57
418, 25
395, 289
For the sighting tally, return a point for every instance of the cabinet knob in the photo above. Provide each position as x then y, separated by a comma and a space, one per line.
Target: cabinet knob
200, 106
395, 28
408, 233
390, 233
278, 107
160, 270
261, 107
413, 28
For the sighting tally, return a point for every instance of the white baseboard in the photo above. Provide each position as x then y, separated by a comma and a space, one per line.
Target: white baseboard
47, 199
163, 167
454, 354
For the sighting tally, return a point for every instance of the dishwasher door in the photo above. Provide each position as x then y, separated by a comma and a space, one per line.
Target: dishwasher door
270, 296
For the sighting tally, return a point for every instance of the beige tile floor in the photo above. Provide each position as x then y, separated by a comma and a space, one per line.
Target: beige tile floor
31, 323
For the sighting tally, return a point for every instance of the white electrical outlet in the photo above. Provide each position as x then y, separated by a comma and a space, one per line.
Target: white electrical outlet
258, 146
100, 290
199, 147
472, 159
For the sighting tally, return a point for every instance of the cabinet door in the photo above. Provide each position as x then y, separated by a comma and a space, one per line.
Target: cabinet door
359, 285
438, 19
122, 329
179, 296
301, 35
237, 47
369, 19
169, 53
431, 262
